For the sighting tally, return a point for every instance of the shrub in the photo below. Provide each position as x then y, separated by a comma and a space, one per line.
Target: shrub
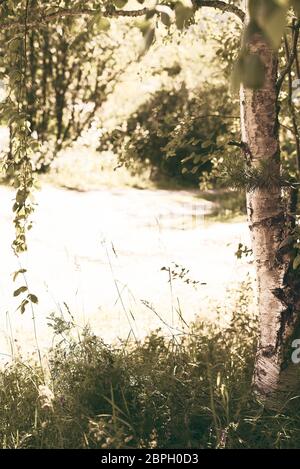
176, 133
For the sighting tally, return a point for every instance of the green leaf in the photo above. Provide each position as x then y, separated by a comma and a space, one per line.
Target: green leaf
18, 272
103, 24
143, 26
149, 39
33, 298
183, 14
165, 19
120, 3
20, 290
166, 14
274, 26
98, 21
23, 305
270, 16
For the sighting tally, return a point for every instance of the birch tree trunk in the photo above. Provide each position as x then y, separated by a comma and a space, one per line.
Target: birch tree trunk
269, 224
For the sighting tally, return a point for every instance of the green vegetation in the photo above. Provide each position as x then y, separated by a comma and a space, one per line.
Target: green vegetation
229, 205
190, 390
176, 133
74, 70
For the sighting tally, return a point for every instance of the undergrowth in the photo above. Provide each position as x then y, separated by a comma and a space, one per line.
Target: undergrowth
189, 391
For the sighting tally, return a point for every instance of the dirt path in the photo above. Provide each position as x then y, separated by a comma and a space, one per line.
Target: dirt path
101, 253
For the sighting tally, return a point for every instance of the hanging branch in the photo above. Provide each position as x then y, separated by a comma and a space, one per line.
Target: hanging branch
14, 109
21, 159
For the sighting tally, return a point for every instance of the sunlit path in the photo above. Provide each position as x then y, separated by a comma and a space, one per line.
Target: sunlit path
101, 253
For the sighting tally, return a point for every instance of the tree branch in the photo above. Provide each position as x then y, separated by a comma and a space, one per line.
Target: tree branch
43, 19
220, 5
111, 12
291, 59
290, 95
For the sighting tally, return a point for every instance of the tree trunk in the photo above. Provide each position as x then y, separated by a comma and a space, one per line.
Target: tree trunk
270, 224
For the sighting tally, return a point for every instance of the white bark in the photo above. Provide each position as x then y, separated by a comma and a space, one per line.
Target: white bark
268, 222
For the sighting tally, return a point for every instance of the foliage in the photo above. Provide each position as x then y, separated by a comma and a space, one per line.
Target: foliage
176, 133
14, 110
267, 18
238, 175
70, 74
20, 61
152, 394
289, 103
181, 392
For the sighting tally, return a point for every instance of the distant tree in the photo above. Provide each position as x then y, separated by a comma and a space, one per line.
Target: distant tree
70, 73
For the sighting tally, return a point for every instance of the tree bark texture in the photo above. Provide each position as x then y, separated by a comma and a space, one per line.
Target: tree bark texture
270, 224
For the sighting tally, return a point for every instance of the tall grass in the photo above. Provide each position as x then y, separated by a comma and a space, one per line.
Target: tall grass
188, 391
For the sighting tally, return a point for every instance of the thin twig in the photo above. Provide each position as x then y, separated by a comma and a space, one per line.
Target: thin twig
292, 56
290, 93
